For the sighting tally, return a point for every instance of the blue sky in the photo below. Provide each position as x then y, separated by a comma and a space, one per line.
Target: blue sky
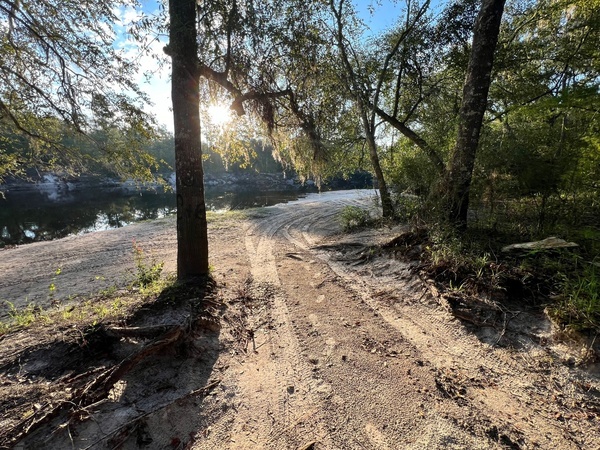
378, 15
382, 14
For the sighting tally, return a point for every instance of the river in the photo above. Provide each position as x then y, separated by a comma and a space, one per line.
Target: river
40, 215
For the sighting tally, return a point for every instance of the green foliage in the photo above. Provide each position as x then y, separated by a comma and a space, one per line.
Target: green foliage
538, 156
407, 207
68, 101
409, 169
10, 161
578, 306
354, 218
574, 285
109, 151
536, 172
23, 317
162, 149
52, 285
239, 153
471, 264
448, 250
147, 272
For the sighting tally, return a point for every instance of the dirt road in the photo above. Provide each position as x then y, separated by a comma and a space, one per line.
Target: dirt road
345, 348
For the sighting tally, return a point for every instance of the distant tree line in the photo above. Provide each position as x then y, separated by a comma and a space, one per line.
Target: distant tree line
159, 154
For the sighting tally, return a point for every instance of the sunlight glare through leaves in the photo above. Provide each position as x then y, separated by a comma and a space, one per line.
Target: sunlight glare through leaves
219, 115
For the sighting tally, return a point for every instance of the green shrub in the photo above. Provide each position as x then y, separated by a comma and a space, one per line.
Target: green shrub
353, 218
23, 317
407, 207
147, 273
579, 307
411, 171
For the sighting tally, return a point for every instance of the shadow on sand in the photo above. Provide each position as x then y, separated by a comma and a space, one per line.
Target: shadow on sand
115, 385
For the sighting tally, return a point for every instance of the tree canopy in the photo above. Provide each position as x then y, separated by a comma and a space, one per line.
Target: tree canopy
66, 72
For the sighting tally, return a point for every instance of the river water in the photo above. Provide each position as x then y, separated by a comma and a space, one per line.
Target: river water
37, 215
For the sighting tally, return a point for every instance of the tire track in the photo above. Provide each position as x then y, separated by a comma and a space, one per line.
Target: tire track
367, 408
499, 384
283, 410
347, 358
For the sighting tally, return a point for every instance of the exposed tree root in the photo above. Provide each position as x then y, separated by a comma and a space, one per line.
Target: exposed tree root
101, 386
119, 435
101, 380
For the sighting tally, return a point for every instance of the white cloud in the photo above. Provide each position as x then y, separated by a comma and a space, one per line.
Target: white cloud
153, 76
126, 15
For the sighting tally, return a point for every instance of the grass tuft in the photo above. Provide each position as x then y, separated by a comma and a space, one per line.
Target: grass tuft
578, 306
147, 272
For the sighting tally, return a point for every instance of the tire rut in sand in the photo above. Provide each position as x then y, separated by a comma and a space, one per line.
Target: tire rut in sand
377, 389
356, 392
491, 380
279, 409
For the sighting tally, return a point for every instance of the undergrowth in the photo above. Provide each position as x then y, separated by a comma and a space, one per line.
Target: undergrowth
147, 271
464, 264
354, 218
564, 281
579, 300
107, 304
24, 317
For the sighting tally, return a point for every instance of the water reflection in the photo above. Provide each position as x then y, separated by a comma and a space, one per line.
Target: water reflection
217, 200
37, 215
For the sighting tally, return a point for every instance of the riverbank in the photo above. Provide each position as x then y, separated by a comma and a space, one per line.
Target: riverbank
54, 208
308, 339
63, 183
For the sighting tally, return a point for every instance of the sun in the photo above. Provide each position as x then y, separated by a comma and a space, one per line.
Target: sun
219, 115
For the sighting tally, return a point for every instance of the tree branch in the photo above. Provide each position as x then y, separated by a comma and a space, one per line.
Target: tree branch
434, 157
306, 123
393, 52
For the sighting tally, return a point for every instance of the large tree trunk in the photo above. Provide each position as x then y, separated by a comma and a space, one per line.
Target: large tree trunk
474, 103
192, 238
387, 208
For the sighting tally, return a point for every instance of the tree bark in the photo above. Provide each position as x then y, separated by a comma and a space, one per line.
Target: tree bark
355, 91
192, 236
387, 207
474, 103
